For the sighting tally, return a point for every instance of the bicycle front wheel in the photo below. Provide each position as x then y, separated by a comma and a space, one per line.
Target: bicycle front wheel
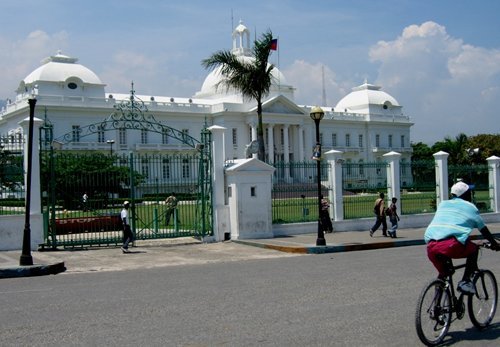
433, 314
483, 305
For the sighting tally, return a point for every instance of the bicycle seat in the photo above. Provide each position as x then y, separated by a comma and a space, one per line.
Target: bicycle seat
448, 264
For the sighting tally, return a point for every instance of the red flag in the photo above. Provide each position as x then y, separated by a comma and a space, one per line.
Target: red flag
274, 44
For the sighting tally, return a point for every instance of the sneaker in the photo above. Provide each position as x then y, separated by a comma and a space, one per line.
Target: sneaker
125, 250
371, 233
466, 287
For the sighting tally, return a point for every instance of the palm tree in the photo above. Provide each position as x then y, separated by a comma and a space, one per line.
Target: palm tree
252, 78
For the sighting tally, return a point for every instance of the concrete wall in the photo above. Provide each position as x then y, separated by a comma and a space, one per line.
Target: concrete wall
12, 230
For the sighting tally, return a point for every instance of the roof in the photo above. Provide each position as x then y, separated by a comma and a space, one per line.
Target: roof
364, 95
60, 68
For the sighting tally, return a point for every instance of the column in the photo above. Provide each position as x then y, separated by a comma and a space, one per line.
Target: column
494, 182
393, 178
270, 142
335, 162
441, 159
286, 152
221, 219
35, 202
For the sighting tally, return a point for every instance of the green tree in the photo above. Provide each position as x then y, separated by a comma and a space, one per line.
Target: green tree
253, 78
456, 148
421, 152
487, 145
95, 174
11, 170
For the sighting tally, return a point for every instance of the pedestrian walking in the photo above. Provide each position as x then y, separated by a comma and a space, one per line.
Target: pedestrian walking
85, 202
128, 236
171, 203
379, 211
392, 212
326, 222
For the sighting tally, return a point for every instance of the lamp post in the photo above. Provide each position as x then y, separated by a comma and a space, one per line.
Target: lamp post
110, 143
26, 258
316, 115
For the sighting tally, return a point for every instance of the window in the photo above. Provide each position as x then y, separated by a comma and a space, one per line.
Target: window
253, 191
100, 134
377, 140
165, 171
361, 168
235, 137
145, 171
144, 136
348, 167
164, 136
76, 133
390, 141
334, 140
348, 140
360, 141
122, 135
402, 141
185, 134
72, 85
185, 168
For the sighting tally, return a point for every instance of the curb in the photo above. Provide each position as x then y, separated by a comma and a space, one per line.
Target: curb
334, 248
32, 270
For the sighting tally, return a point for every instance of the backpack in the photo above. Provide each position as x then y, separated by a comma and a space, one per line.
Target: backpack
388, 211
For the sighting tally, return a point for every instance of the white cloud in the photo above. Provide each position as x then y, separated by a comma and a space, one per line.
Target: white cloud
307, 78
446, 86
21, 57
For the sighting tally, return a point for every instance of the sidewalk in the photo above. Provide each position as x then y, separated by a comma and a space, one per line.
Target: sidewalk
171, 252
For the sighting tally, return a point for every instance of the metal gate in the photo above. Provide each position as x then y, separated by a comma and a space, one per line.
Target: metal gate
83, 193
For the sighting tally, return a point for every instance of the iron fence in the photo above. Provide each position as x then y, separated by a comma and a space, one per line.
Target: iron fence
11, 174
295, 191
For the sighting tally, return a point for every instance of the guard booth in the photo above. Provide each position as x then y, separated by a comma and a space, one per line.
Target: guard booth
249, 186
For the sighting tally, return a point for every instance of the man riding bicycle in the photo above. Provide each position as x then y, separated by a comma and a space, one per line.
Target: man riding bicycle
447, 236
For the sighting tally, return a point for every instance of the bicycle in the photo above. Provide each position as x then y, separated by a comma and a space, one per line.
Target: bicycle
437, 303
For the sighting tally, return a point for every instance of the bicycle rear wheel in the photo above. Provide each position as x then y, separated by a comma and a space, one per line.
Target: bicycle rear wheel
433, 314
483, 305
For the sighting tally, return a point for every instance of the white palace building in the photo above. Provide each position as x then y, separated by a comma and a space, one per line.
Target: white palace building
364, 125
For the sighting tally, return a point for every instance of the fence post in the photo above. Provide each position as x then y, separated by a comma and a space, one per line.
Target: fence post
494, 182
220, 213
335, 161
393, 178
36, 202
441, 159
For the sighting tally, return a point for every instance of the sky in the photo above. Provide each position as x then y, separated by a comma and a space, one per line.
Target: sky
440, 59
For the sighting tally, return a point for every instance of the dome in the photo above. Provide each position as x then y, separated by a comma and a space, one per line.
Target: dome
364, 96
60, 68
210, 89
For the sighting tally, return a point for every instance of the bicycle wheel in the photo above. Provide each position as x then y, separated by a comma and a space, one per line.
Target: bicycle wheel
483, 305
433, 314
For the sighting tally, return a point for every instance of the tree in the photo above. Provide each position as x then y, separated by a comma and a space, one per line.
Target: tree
11, 170
456, 148
252, 78
421, 151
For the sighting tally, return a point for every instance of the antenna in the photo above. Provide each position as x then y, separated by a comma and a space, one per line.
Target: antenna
323, 84
232, 21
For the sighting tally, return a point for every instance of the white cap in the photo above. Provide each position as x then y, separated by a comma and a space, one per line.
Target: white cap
126, 202
459, 188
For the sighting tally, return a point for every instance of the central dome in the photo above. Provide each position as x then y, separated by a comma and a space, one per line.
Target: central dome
212, 87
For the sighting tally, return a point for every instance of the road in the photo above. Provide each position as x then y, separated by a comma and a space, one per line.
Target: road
364, 298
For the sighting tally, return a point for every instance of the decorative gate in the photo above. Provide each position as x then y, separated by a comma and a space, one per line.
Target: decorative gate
83, 194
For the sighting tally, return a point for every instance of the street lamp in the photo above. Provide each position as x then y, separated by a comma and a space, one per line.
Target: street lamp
316, 115
26, 258
110, 143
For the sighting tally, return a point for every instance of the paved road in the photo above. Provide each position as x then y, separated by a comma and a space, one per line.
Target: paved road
364, 298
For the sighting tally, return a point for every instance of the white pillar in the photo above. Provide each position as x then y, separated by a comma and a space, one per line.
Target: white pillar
286, 152
441, 159
270, 142
335, 161
220, 214
35, 201
393, 178
494, 182
301, 144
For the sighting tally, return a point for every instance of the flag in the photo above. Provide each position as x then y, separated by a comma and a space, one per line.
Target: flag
274, 44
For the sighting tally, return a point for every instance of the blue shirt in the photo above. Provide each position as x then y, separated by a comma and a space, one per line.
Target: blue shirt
455, 217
